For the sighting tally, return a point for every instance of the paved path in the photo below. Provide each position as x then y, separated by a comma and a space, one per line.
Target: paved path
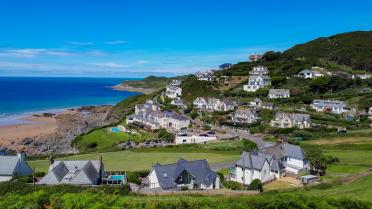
245, 135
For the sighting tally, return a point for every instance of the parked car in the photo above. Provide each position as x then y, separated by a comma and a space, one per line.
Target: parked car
204, 135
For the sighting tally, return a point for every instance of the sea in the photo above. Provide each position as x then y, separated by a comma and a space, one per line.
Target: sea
22, 96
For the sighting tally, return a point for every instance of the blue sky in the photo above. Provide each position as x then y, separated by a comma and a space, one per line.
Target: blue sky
165, 37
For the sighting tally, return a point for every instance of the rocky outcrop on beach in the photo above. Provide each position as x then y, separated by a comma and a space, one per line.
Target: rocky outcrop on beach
69, 125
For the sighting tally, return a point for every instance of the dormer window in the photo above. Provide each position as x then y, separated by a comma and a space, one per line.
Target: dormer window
165, 175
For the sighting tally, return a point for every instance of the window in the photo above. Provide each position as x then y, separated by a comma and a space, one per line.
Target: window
165, 175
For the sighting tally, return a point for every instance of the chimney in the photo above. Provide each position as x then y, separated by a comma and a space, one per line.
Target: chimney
51, 160
21, 156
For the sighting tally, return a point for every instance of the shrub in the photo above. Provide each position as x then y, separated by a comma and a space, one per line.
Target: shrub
256, 184
184, 188
135, 176
233, 185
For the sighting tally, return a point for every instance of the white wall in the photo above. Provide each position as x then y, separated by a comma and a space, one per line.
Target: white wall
194, 139
5, 178
251, 174
153, 180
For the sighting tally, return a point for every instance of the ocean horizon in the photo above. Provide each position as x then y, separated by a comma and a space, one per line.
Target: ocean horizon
22, 96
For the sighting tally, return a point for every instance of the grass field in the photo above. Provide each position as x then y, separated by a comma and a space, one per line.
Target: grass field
103, 140
132, 161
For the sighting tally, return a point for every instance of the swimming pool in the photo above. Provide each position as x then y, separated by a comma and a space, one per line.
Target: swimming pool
117, 177
115, 130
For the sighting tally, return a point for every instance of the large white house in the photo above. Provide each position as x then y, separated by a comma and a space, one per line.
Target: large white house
268, 163
258, 78
150, 115
13, 166
279, 93
192, 174
290, 120
213, 104
245, 116
332, 106
173, 92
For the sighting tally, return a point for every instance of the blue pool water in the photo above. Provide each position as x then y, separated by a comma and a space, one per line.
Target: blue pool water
115, 130
117, 177
20, 95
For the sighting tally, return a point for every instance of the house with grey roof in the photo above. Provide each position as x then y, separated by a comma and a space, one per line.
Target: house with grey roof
245, 116
192, 174
213, 104
173, 91
291, 157
179, 103
279, 93
76, 172
309, 74
255, 165
291, 120
13, 166
332, 106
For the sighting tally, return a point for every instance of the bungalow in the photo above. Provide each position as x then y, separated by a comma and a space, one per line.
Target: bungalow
191, 174
194, 139
173, 91
13, 166
278, 93
256, 103
268, 106
290, 120
332, 106
245, 116
309, 74
255, 165
291, 157
82, 172
179, 103
175, 83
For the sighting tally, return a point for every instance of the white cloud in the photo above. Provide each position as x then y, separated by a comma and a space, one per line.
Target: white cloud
116, 42
78, 43
33, 52
109, 65
141, 62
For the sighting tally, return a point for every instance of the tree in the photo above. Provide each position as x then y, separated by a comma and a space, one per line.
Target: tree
271, 56
319, 84
249, 146
319, 162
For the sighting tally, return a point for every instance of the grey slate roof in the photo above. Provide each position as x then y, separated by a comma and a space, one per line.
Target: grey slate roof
14, 166
280, 150
293, 116
254, 160
199, 169
87, 172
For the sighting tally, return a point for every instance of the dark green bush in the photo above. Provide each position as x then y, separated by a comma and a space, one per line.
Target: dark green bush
233, 185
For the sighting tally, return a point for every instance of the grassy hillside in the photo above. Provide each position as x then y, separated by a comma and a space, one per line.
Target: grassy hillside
351, 49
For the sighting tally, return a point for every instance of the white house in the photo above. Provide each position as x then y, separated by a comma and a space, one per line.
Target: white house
150, 115
245, 116
279, 93
291, 157
256, 82
192, 174
13, 166
179, 103
173, 91
194, 139
251, 166
205, 76
259, 70
290, 120
332, 106
309, 74
213, 104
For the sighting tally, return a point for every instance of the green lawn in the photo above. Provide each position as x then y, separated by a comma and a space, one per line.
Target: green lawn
102, 139
132, 161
